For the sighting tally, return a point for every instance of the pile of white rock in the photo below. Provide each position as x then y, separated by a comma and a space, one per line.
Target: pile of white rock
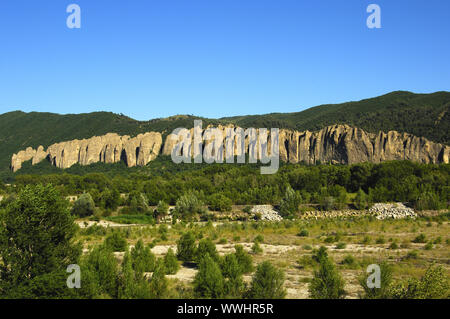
394, 211
267, 212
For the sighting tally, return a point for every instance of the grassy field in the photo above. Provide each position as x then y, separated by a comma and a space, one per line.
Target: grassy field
409, 246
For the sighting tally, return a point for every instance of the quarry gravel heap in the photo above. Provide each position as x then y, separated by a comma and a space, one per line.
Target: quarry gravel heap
267, 212
394, 211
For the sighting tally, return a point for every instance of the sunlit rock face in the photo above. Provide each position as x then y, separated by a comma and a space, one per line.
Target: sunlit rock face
336, 144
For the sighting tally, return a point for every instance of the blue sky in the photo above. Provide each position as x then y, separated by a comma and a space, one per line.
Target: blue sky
214, 58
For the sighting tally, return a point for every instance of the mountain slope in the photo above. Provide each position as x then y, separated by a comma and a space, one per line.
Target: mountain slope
426, 115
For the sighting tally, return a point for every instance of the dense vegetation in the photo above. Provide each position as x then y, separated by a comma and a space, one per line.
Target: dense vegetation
420, 114
326, 187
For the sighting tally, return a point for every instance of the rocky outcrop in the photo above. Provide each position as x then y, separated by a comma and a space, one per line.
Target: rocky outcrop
109, 148
347, 145
391, 211
265, 212
337, 144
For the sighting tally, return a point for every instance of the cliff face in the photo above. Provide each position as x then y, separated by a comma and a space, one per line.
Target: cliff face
109, 148
333, 144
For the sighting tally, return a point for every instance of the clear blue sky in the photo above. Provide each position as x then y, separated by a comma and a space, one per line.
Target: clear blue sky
214, 58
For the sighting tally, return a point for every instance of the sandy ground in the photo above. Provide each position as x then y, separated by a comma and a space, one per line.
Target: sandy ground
103, 223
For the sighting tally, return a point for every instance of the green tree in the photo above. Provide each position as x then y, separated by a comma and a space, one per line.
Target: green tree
267, 282
188, 205
209, 282
186, 250
36, 238
159, 283
289, 204
83, 206
206, 247
132, 284
219, 202
232, 272
327, 282
244, 259
161, 210
361, 200
116, 242
171, 262
142, 258
385, 284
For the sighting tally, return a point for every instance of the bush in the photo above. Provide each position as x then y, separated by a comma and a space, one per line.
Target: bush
209, 282
244, 259
142, 259
256, 249
420, 239
171, 262
158, 283
259, 239
341, 246
116, 242
385, 284
206, 247
186, 250
219, 202
350, 261
83, 206
361, 200
161, 210
267, 283
303, 233
187, 206
327, 282
289, 204
428, 246
232, 272
433, 285
393, 245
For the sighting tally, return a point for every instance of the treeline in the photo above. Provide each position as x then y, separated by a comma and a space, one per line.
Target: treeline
426, 186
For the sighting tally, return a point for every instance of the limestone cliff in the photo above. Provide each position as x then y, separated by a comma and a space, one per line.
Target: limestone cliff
109, 148
333, 144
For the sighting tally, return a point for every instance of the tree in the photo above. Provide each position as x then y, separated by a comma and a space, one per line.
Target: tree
116, 242
171, 262
132, 284
361, 200
219, 202
207, 247
158, 283
244, 259
186, 250
161, 210
327, 282
84, 206
289, 203
188, 205
209, 282
267, 283
142, 258
36, 238
385, 284
232, 272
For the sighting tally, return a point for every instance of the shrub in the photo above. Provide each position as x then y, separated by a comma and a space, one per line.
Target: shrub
219, 202
158, 283
232, 272
256, 248
361, 200
244, 259
83, 206
428, 246
420, 239
188, 205
350, 261
393, 245
267, 283
186, 250
206, 247
161, 210
289, 204
171, 262
259, 239
303, 233
116, 242
142, 259
341, 246
385, 283
327, 282
209, 282
380, 240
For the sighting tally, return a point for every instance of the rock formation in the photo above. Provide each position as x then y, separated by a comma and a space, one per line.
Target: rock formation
338, 144
109, 148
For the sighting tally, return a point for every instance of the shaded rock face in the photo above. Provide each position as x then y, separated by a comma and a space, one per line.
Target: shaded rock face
337, 144
109, 148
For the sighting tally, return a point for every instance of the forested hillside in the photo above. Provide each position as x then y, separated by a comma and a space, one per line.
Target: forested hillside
425, 115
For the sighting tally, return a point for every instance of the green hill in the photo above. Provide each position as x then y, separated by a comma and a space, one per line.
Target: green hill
425, 115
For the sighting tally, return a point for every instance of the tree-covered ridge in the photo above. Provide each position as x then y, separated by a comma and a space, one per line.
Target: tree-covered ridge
426, 115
